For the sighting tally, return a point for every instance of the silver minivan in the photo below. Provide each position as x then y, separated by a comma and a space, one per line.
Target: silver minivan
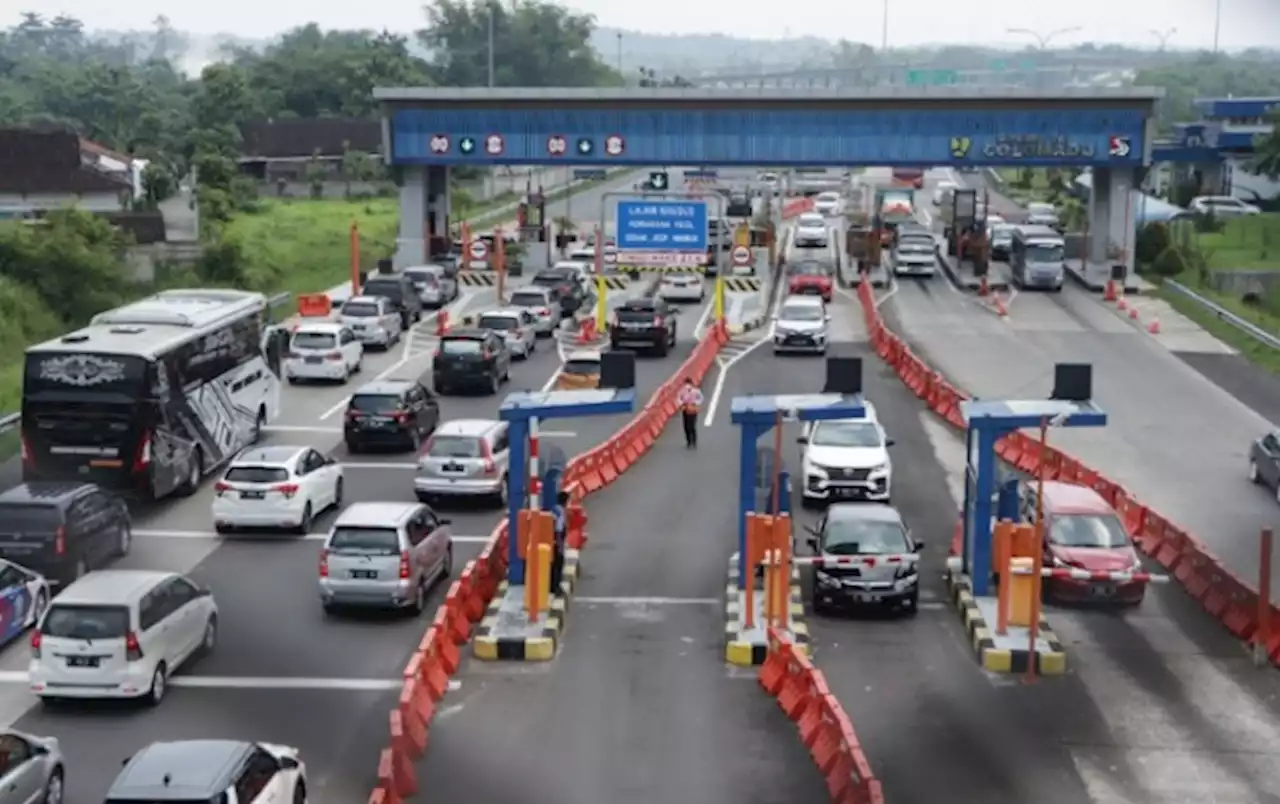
384, 555
544, 306
373, 320
435, 285
465, 458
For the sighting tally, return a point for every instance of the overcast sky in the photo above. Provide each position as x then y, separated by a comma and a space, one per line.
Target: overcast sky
1245, 23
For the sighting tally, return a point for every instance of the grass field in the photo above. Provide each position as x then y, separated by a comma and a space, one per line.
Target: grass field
1258, 353
1244, 243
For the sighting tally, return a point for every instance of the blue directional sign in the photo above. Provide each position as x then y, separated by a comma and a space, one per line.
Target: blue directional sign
662, 225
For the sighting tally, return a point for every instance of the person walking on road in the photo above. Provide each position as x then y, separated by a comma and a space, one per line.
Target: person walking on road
690, 400
562, 531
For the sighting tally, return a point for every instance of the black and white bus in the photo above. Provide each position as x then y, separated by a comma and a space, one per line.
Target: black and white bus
153, 395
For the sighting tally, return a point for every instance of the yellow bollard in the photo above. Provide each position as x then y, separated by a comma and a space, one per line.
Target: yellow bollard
602, 306
718, 297
542, 594
1022, 592
770, 580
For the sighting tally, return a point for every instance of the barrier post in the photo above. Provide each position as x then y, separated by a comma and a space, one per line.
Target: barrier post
773, 244
1262, 637
781, 592
466, 246
500, 263
770, 583
355, 259
529, 547
1003, 538
747, 566
1037, 552
718, 299
602, 304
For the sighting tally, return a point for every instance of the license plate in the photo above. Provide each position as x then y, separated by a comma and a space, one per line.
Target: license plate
314, 360
364, 574
82, 661
867, 597
251, 495
1102, 590
452, 467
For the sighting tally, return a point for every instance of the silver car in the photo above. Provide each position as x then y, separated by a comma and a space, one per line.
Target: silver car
373, 320
801, 326
436, 287
384, 555
465, 458
869, 558
544, 306
32, 770
517, 325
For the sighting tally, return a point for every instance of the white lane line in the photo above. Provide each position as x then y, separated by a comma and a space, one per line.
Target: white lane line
257, 683
370, 465
286, 428
649, 601
702, 319
557, 433
309, 537
725, 365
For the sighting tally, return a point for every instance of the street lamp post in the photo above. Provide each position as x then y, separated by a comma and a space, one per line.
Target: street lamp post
490, 7
1217, 25
884, 29
1044, 39
1163, 36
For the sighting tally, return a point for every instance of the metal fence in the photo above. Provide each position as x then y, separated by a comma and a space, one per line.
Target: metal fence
1223, 314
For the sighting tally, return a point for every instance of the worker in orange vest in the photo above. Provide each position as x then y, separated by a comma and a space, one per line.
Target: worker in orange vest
690, 400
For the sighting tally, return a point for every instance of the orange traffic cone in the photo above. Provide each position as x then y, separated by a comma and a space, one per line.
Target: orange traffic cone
442, 322
1121, 304
1110, 293
1154, 326
1001, 310
1133, 313
984, 288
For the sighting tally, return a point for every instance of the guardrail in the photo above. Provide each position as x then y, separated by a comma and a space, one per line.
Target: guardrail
1223, 314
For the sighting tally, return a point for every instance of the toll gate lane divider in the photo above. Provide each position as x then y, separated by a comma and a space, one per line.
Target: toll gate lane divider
1201, 574
438, 656
801, 692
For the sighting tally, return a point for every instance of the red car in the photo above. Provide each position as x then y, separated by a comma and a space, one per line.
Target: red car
1082, 531
810, 278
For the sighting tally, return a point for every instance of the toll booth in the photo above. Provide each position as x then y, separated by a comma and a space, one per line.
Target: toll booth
531, 217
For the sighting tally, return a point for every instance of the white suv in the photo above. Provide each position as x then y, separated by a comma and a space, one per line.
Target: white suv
847, 459
120, 634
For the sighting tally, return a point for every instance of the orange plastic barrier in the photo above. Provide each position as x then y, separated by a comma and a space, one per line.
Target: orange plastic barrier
1223, 595
426, 676
802, 693
314, 305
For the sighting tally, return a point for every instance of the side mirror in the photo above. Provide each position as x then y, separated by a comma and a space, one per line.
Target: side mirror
288, 763
919, 545
204, 593
812, 531
812, 541
889, 442
802, 440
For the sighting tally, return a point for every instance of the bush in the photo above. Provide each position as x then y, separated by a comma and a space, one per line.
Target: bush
1153, 239
1171, 262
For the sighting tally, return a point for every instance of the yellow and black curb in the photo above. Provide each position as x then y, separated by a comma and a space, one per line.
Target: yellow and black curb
1051, 662
739, 284
747, 326
477, 279
490, 646
749, 652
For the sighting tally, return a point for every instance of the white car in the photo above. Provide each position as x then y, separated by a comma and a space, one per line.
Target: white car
323, 351
582, 256
827, 204
120, 634
942, 192
811, 231
373, 320
545, 308
276, 487
800, 325
682, 287
585, 272
212, 771
1222, 206
847, 459
517, 325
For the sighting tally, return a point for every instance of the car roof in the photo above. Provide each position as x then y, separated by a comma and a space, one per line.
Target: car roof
1069, 498
384, 387
468, 334
45, 492
801, 301
556, 271
863, 512
319, 327
275, 454
111, 586
375, 514
364, 298
468, 427
180, 770
508, 312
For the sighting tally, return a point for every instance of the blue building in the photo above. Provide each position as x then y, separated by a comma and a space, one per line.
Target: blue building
1220, 144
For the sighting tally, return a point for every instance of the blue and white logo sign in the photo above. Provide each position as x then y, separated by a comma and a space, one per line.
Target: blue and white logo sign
648, 231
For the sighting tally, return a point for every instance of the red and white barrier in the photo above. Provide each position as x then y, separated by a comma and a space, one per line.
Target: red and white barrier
1069, 573
829, 562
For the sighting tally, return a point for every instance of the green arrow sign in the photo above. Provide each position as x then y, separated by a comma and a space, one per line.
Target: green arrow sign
467, 145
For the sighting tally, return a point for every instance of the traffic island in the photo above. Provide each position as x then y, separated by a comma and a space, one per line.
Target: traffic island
507, 634
1011, 651
747, 645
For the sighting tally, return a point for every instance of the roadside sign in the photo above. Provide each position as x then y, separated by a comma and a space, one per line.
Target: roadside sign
479, 250
662, 225
741, 256
668, 258
609, 257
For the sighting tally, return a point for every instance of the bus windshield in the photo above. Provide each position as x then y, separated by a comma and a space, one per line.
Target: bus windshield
1045, 252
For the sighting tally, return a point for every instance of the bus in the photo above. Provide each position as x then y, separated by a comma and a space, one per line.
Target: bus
152, 396
1037, 257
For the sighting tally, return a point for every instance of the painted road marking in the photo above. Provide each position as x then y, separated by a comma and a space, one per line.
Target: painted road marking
256, 683
286, 428
371, 465
309, 537
649, 601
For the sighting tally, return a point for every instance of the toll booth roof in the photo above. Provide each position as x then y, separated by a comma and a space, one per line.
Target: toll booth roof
763, 409
1008, 414
567, 404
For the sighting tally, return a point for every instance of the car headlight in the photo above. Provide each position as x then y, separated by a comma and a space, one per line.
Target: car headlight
907, 570
881, 469
823, 579
815, 469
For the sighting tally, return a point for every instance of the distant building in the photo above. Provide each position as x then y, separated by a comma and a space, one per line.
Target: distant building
1220, 145
41, 171
282, 150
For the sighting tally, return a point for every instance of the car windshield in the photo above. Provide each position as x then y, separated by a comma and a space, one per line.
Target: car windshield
360, 309
452, 446
846, 434
550, 280
1045, 252
367, 541
863, 537
390, 290
1040, 209
375, 403
812, 222
256, 474
424, 275
499, 322
461, 346
1087, 530
828, 197
801, 312
916, 244
25, 516
314, 340
527, 299
1001, 232
70, 621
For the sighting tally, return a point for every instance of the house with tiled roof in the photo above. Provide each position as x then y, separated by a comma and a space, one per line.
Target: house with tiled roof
275, 149
42, 171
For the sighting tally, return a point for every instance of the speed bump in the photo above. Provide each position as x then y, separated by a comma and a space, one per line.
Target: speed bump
991, 655
742, 284
497, 639
477, 279
748, 648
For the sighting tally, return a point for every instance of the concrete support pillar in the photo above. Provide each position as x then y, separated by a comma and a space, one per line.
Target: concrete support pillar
1113, 216
411, 240
1213, 179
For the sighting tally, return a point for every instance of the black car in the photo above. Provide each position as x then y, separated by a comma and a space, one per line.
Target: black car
62, 530
564, 283
390, 413
874, 559
399, 290
471, 358
649, 323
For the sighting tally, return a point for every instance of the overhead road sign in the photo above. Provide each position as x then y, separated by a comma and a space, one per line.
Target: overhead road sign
661, 225
590, 173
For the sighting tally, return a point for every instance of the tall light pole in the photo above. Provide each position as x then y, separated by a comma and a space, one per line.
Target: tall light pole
490, 7
1043, 39
884, 29
1217, 25
1163, 36
624, 80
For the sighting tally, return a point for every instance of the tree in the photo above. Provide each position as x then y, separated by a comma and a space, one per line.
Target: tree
1267, 148
649, 78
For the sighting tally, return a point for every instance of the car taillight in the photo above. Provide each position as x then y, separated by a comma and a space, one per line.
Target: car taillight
401, 416
132, 650
544, 312
335, 356
486, 452
143, 459
657, 320
35, 644
27, 458
404, 564
221, 487
353, 414
287, 489
324, 563
60, 541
